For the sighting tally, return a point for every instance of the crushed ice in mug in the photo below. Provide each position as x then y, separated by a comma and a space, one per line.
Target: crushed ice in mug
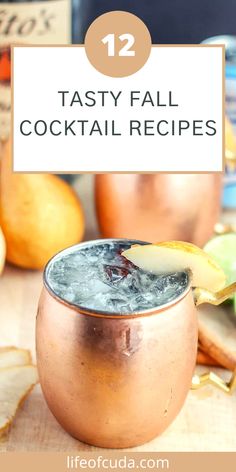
97, 277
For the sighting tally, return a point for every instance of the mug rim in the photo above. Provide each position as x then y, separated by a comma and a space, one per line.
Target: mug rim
99, 313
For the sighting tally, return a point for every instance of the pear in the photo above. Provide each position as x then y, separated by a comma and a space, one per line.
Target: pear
39, 214
2, 250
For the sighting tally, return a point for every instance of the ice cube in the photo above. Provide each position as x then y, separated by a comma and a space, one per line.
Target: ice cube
100, 278
114, 274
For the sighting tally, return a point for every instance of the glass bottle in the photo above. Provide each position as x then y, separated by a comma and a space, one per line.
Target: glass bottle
28, 22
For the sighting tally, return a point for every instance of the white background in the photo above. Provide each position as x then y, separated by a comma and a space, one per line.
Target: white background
193, 74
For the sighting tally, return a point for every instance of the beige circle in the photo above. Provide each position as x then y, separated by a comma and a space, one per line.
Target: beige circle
118, 63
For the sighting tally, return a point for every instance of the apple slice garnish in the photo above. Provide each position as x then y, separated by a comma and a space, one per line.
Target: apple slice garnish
178, 256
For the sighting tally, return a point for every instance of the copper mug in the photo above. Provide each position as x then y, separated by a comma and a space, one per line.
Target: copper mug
158, 207
117, 381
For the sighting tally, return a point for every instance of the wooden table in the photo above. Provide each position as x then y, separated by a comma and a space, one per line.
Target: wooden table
207, 421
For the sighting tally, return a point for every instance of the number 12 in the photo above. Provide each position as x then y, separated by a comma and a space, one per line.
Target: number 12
125, 50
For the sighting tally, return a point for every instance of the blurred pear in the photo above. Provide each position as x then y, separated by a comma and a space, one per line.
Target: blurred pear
39, 215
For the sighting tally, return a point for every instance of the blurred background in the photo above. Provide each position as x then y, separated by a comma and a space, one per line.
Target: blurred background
149, 207
174, 21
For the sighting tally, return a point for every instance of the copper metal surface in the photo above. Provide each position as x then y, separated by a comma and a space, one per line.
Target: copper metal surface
115, 382
158, 207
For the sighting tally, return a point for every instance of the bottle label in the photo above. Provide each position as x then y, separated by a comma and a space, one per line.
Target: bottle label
47, 22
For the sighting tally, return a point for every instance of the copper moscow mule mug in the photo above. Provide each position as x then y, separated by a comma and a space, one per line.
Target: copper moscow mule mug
158, 207
118, 381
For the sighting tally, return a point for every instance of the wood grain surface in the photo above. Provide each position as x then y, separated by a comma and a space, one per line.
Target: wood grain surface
207, 421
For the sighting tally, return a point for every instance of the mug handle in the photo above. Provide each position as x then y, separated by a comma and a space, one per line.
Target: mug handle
205, 296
